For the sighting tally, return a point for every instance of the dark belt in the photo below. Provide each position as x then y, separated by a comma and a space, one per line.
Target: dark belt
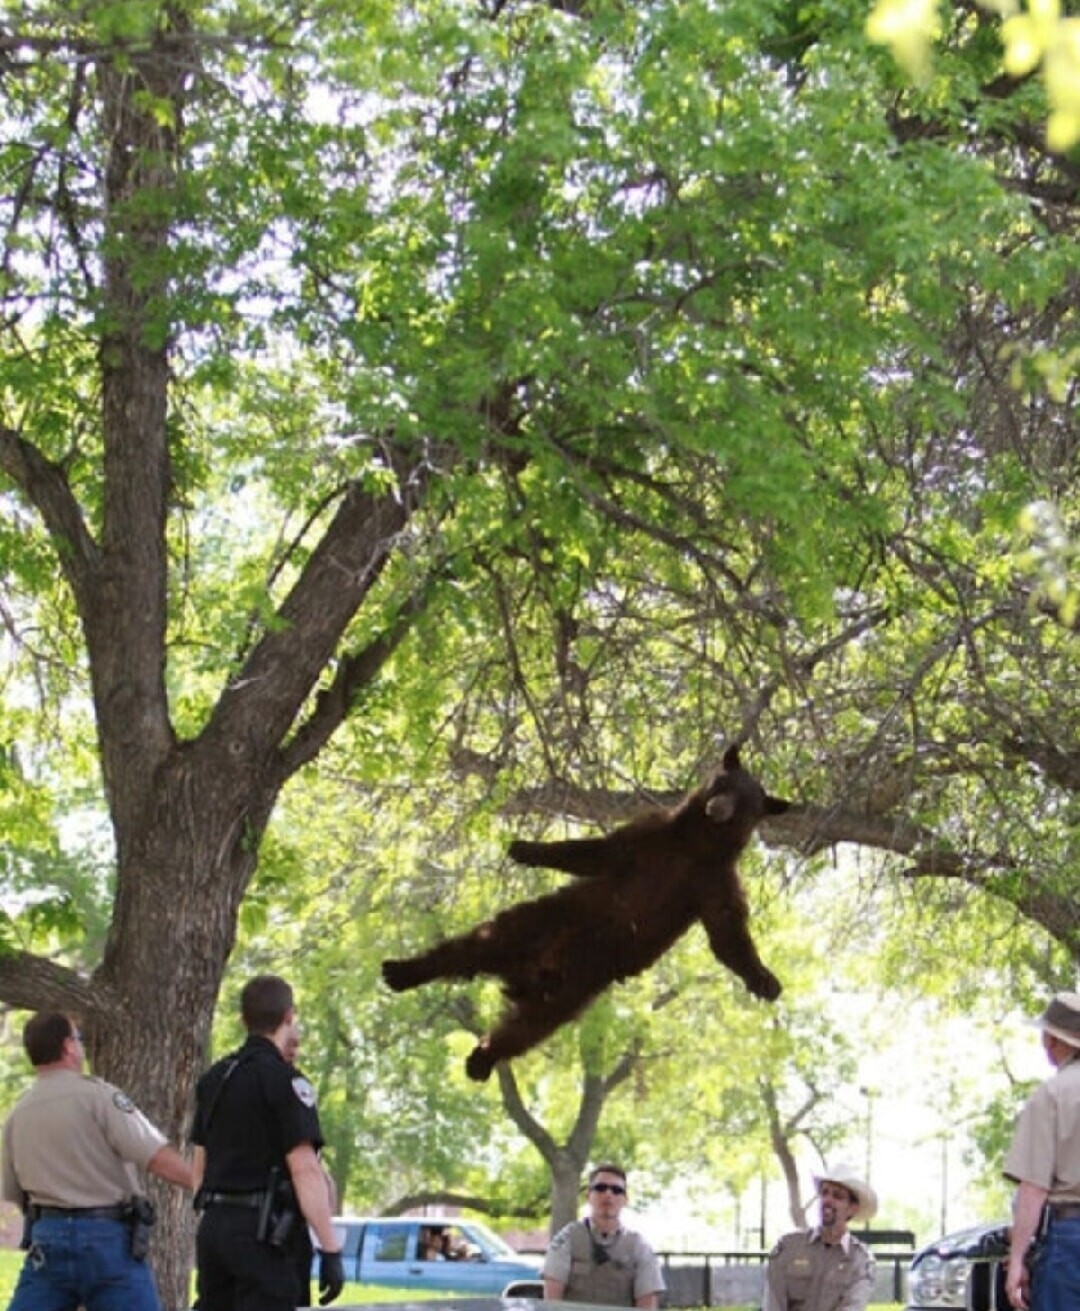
250, 1201
1065, 1210
78, 1212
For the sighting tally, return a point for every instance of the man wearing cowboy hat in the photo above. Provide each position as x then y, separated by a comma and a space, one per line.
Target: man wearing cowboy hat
826, 1268
1044, 1162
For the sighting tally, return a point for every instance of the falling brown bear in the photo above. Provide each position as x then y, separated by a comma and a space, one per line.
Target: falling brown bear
642, 886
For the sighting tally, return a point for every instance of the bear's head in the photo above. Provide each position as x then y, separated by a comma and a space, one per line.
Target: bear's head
735, 797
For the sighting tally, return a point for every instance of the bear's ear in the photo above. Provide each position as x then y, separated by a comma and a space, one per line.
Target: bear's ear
731, 757
776, 805
721, 807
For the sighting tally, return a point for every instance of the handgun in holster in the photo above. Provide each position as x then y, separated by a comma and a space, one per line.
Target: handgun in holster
141, 1217
27, 1225
277, 1214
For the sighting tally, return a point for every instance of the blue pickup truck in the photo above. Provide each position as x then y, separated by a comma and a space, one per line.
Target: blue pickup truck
433, 1252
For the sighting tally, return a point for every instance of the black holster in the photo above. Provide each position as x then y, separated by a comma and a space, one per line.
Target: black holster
140, 1217
278, 1212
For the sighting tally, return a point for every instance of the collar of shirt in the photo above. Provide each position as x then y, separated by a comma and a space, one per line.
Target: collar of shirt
601, 1237
816, 1236
259, 1042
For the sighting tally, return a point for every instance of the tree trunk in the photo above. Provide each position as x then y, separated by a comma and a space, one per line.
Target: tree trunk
187, 817
151, 1003
780, 1134
566, 1175
568, 1161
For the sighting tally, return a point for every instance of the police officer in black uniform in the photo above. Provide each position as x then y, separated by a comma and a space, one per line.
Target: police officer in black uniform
257, 1137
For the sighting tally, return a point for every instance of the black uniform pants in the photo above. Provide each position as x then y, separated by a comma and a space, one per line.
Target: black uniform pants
234, 1272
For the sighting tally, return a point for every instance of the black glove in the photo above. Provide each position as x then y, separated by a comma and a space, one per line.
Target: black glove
331, 1277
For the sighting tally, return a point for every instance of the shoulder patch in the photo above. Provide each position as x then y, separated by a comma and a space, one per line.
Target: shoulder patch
123, 1102
560, 1239
304, 1091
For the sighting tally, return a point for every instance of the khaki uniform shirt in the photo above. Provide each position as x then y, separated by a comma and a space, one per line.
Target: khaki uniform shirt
631, 1270
73, 1141
807, 1274
1045, 1149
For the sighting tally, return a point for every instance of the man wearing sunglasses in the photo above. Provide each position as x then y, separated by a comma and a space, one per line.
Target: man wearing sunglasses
826, 1268
597, 1259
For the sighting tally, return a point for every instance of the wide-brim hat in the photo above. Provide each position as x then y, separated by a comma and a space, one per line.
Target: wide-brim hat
1062, 1018
845, 1176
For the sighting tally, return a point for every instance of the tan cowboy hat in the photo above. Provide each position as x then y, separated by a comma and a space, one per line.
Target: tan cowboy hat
845, 1176
1062, 1018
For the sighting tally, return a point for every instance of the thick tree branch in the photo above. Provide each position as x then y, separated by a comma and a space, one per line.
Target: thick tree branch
514, 1105
45, 486
355, 672
495, 1206
32, 983
258, 708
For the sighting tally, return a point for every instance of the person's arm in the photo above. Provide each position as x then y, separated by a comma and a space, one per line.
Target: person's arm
558, 1264
774, 1296
198, 1167
309, 1184
331, 1187
10, 1188
168, 1164
648, 1278
1027, 1213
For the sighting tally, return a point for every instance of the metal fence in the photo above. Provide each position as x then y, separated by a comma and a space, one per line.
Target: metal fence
737, 1278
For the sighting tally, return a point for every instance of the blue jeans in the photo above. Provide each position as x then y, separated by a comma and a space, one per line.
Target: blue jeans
79, 1262
1055, 1279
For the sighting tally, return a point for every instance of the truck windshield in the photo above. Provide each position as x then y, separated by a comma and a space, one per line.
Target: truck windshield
491, 1243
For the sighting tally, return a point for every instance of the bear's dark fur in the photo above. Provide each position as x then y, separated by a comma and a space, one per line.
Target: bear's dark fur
641, 888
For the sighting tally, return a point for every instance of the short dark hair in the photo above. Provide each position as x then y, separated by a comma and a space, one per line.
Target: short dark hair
606, 1169
265, 1002
44, 1035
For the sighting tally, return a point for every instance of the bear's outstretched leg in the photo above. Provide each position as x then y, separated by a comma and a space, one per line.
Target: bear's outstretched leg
456, 958
497, 946
522, 1027
585, 857
503, 946
729, 937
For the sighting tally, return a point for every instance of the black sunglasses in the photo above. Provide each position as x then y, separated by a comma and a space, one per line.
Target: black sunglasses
617, 1189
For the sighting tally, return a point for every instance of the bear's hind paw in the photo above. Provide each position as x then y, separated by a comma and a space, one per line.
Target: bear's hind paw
479, 1063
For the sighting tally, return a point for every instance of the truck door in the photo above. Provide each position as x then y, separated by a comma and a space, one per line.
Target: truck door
390, 1255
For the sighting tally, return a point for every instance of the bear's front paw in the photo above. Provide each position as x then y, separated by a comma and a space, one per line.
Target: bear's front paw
767, 986
523, 852
398, 974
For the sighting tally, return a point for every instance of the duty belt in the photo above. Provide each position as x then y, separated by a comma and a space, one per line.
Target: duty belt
250, 1201
1065, 1210
78, 1212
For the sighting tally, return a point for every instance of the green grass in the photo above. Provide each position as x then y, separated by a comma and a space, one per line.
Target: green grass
11, 1264
358, 1294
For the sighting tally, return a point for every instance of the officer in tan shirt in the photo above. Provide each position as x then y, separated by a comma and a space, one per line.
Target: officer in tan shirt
1044, 1162
827, 1268
72, 1150
597, 1259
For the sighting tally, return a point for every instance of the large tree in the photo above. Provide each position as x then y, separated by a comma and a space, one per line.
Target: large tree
325, 331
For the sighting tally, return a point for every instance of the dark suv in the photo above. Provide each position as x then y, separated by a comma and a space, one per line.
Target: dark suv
963, 1270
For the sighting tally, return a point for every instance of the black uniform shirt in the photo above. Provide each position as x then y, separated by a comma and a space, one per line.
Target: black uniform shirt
251, 1109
